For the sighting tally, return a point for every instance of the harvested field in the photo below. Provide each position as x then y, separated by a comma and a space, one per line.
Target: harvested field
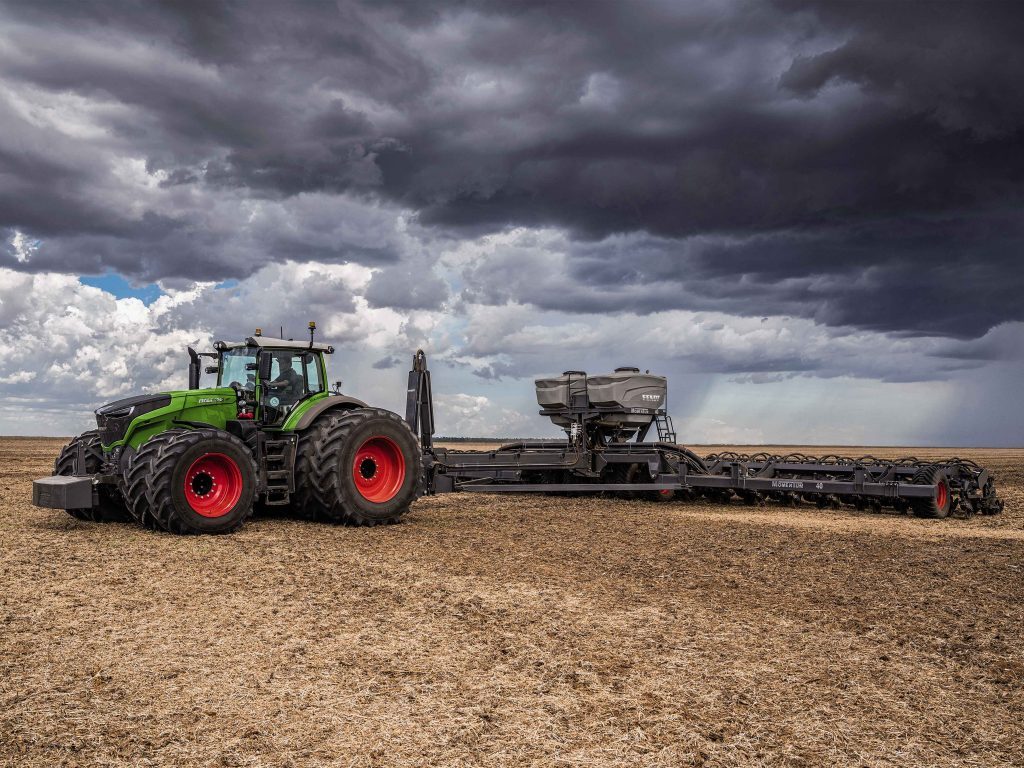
516, 631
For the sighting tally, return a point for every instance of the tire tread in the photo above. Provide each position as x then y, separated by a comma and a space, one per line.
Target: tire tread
321, 473
150, 474
136, 477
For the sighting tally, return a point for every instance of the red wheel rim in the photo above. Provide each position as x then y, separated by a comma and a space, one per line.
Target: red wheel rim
941, 496
213, 485
378, 469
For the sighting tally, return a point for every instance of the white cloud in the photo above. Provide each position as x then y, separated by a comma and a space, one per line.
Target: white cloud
68, 347
24, 247
464, 415
18, 377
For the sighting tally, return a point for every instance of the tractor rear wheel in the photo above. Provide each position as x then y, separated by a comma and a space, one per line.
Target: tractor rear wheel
939, 506
306, 504
111, 506
363, 468
194, 481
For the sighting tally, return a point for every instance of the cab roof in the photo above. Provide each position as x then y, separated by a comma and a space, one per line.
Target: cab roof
266, 342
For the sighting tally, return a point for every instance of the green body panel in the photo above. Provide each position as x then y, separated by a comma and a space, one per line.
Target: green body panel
202, 406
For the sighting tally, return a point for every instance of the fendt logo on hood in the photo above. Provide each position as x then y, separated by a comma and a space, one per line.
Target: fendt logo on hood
651, 397
210, 400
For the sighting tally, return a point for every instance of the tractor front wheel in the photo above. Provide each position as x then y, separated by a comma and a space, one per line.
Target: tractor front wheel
361, 468
111, 505
193, 481
136, 477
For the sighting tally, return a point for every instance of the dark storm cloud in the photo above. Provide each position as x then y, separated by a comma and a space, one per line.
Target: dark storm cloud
499, 370
858, 164
919, 275
406, 287
386, 363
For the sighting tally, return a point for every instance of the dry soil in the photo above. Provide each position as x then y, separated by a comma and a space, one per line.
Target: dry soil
515, 631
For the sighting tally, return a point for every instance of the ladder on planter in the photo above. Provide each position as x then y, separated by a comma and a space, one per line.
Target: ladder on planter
666, 430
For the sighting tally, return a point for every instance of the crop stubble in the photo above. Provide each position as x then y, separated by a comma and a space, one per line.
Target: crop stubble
515, 631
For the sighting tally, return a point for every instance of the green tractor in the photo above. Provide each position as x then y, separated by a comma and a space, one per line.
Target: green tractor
269, 433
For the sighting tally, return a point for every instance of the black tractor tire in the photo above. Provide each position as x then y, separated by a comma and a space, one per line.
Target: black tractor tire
305, 503
135, 480
363, 467
933, 507
200, 481
111, 507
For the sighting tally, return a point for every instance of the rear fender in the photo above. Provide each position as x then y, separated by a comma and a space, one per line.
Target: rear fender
305, 417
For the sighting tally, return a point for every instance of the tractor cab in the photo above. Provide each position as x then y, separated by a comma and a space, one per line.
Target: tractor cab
271, 377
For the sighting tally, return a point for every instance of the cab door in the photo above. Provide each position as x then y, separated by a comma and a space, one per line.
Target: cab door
277, 401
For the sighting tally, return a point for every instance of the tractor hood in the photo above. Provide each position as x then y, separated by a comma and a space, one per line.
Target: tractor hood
113, 418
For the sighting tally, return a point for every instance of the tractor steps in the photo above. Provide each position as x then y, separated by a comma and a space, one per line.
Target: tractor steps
277, 469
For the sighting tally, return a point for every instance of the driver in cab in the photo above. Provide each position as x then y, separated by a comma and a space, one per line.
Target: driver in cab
288, 385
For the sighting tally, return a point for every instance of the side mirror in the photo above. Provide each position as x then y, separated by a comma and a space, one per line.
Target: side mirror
264, 364
212, 369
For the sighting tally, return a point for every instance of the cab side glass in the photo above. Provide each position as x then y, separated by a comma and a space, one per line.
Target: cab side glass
314, 384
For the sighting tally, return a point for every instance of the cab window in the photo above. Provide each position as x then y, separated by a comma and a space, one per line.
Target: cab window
314, 384
303, 364
237, 367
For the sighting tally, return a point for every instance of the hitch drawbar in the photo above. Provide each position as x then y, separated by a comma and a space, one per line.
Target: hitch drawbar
606, 424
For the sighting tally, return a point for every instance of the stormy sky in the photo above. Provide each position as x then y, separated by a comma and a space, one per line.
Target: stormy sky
808, 216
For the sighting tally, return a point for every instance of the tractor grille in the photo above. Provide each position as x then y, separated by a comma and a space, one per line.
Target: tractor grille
113, 418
